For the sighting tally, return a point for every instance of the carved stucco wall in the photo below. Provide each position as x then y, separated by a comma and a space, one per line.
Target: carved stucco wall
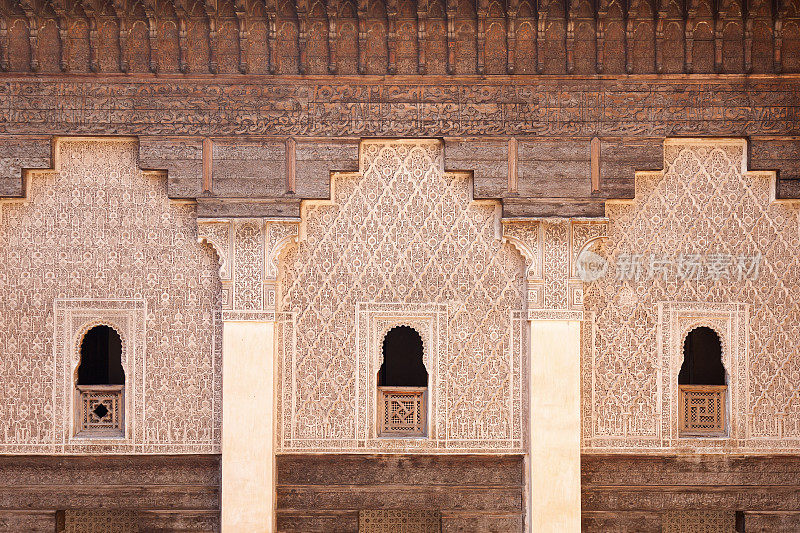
704, 202
401, 242
97, 241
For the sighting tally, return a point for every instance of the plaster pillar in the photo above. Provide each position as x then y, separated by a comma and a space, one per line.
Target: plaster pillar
248, 448
555, 427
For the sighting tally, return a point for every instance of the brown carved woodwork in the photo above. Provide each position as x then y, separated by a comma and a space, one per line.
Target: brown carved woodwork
391, 36
272, 32
551, 122
701, 410
480, 493
402, 411
628, 492
302, 35
240, 9
560, 36
119, 12
422, 17
33, 32
512, 8
541, 27
5, 63
165, 492
332, 12
451, 11
546, 107
572, 12
361, 13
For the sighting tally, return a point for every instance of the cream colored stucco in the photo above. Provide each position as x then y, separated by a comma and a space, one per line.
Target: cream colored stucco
248, 458
555, 455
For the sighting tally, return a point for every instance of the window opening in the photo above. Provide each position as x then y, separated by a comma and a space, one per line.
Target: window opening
402, 385
101, 384
701, 385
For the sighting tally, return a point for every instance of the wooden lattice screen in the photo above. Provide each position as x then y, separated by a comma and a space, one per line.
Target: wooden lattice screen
702, 410
402, 411
698, 522
399, 521
101, 409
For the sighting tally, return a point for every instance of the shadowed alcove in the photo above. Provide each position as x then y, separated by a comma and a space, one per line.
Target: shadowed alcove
702, 386
101, 358
702, 359
101, 384
402, 359
402, 385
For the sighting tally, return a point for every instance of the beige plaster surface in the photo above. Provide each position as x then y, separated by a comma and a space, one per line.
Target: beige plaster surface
248, 458
555, 455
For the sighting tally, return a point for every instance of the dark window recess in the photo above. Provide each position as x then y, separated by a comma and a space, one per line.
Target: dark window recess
402, 359
101, 358
702, 359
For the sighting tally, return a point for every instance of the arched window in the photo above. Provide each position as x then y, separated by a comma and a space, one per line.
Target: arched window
402, 385
100, 384
702, 359
101, 358
402, 359
702, 385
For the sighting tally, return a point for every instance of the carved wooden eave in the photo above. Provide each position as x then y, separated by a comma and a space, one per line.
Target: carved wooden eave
728, 24
584, 91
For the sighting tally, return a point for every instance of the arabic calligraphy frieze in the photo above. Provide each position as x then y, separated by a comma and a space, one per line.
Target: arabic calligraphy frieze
335, 107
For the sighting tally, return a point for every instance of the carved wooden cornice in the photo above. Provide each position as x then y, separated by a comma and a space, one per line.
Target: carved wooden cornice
569, 36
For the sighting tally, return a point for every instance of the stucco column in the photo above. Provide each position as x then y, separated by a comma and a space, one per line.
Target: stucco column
248, 449
555, 447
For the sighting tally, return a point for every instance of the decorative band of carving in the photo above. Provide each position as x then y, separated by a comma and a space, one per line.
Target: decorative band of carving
248, 316
555, 314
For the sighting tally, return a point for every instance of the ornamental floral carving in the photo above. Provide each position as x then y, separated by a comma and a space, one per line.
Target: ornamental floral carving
705, 206
97, 240
400, 242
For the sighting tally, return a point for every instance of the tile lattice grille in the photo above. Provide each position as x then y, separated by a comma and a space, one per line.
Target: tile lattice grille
399, 521
699, 522
81, 521
702, 409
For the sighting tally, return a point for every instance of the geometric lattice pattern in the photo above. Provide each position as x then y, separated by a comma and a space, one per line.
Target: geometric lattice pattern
702, 410
400, 233
399, 521
81, 521
699, 522
703, 205
101, 410
100, 230
402, 410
